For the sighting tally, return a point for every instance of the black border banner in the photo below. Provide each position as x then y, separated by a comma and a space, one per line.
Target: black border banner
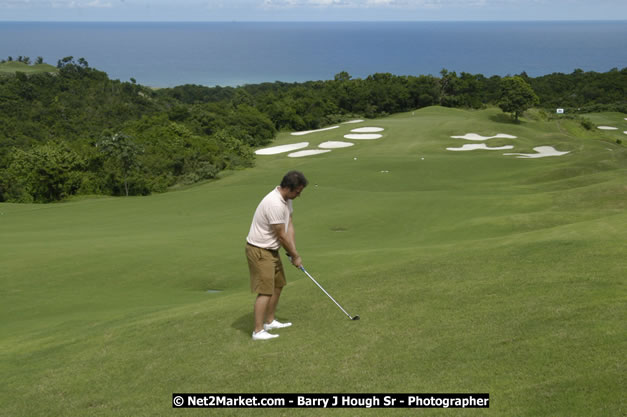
329, 400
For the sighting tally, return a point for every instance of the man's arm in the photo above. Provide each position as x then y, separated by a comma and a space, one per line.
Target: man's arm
287, 241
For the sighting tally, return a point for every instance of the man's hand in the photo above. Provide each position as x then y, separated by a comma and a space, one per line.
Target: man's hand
296, 261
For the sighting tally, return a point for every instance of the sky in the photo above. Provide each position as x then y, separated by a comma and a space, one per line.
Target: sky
310, 10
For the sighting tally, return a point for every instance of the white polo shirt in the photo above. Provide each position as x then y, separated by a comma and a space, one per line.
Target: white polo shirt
273, 209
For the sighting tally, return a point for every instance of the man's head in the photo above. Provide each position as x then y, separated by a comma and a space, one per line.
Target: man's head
293, 183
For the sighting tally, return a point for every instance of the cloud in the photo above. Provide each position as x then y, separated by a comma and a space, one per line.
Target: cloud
411, 4
329, 2
98, 3
311, 3
84, 4
308, 3
280, 3
381, 3
14, 4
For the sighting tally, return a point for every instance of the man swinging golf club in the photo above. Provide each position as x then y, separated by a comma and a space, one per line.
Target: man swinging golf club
271, 229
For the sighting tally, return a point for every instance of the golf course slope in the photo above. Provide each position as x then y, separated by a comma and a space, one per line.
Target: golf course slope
471, 271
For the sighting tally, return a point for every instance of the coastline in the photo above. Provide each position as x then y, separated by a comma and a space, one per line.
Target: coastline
237, 53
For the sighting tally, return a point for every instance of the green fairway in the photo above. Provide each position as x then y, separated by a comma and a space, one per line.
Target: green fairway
472, 271
12, 67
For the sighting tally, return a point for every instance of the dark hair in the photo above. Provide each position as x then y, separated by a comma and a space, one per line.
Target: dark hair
293, 180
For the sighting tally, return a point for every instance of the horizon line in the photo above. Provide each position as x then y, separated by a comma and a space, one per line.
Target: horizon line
320, 21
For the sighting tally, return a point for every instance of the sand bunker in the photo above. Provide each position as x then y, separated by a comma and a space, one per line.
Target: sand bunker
368, 130
543, 151
607, 128
363, 136
335, 144
300, 154
474, 136
479, 146
306, 132
353, 121
280, 149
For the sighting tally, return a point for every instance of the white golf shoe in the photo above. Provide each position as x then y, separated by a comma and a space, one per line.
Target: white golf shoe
264, 335
275, 325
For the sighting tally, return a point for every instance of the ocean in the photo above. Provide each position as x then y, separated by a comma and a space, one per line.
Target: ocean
237, 53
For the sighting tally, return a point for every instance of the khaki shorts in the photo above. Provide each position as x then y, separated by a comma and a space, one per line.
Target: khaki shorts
266, 270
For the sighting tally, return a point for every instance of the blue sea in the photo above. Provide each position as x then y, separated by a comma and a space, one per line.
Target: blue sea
230, 54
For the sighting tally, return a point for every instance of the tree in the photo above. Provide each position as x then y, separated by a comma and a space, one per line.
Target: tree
122, 151
516, 96
342, 76
44, 173
448, 88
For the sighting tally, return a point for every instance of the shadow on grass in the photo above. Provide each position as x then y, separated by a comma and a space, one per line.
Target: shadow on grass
245, 323
505, 118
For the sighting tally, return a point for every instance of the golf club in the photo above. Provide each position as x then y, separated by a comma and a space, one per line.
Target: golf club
302, 268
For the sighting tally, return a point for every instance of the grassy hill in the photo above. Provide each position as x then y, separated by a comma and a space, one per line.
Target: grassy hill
11, 67
471, 271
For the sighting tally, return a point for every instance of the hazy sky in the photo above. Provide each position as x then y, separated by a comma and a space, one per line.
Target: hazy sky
309, 10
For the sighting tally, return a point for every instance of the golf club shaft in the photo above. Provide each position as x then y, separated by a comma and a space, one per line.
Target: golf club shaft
302, 268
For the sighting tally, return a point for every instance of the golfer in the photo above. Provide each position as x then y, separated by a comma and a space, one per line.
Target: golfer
271, 229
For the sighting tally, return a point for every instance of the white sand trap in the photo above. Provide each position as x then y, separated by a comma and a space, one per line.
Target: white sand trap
300, 154
363, 136
280, 149
357, 121
472, 147
607, 128
543, 151
306, 132
474, 136
335, 144
368, 130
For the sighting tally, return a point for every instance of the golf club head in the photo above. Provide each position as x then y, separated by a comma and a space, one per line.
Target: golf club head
355, 318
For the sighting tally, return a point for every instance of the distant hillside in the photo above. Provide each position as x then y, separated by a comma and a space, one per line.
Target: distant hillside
11, 67
71, 130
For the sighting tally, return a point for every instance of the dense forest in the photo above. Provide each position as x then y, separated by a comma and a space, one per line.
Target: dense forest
74, 131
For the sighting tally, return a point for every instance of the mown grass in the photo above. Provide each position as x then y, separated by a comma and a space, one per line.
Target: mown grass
11, 67
471, 271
